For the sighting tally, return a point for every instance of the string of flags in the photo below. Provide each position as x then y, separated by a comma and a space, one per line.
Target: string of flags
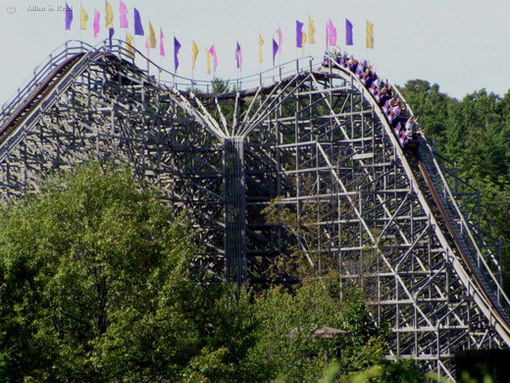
151, 42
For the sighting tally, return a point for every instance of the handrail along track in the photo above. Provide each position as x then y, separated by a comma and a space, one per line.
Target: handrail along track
43, 89
446, 218
484, 278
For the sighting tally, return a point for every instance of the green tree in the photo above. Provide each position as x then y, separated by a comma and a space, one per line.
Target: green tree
287, 337
430, 105
95, 286
220, 86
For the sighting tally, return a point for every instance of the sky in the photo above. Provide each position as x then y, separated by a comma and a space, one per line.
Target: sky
462, 45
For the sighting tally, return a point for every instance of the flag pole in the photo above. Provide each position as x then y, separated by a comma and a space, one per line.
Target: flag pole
260, 50
159, 58
192, 68
280, 43
147, 57
81, 6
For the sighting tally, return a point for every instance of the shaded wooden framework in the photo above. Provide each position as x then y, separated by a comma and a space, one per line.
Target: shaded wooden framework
312, 137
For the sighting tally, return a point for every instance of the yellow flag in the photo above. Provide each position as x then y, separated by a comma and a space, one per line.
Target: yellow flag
130, 43
303, 38
152, 37
261, 54
194, 54
370, 35
208, 63
311, 31
84, 18
109, 15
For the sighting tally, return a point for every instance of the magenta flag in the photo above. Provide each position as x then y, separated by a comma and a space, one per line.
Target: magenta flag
330, 34
348, 32
138, 23
280, 40
161, 43
123, 14
239, 57
148, 46
212, 51
299, 34
97, 17
69, 16
177, 48
275, 50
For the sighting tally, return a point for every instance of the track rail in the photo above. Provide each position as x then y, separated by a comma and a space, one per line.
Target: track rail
43, 89
492, 303
503, 316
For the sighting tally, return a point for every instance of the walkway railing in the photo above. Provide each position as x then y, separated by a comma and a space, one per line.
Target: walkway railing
123, 50
59, 55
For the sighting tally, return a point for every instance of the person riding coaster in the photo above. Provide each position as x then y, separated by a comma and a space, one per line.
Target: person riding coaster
406, 129
411, 132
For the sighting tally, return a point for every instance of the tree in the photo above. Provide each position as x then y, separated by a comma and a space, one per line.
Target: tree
95, 286
220, 86
430, 105
287, 338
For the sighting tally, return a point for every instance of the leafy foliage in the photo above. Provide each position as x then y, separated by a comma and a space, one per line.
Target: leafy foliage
220, 86
95, 286
288, 337
289, 322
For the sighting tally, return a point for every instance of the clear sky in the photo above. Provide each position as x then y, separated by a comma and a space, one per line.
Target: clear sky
463, 45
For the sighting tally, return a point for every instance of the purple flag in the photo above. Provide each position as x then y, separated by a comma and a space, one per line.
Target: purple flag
348, 32
275, 50
97, 17
123, 14
69, 16
299, 34
177, 47
111, 32
239, 57
138, 23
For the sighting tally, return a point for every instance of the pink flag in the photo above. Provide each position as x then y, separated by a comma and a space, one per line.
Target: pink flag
330, 34
212, 51
161, 43
280, 40
97, 17
147, 46
327, 35
123, 14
